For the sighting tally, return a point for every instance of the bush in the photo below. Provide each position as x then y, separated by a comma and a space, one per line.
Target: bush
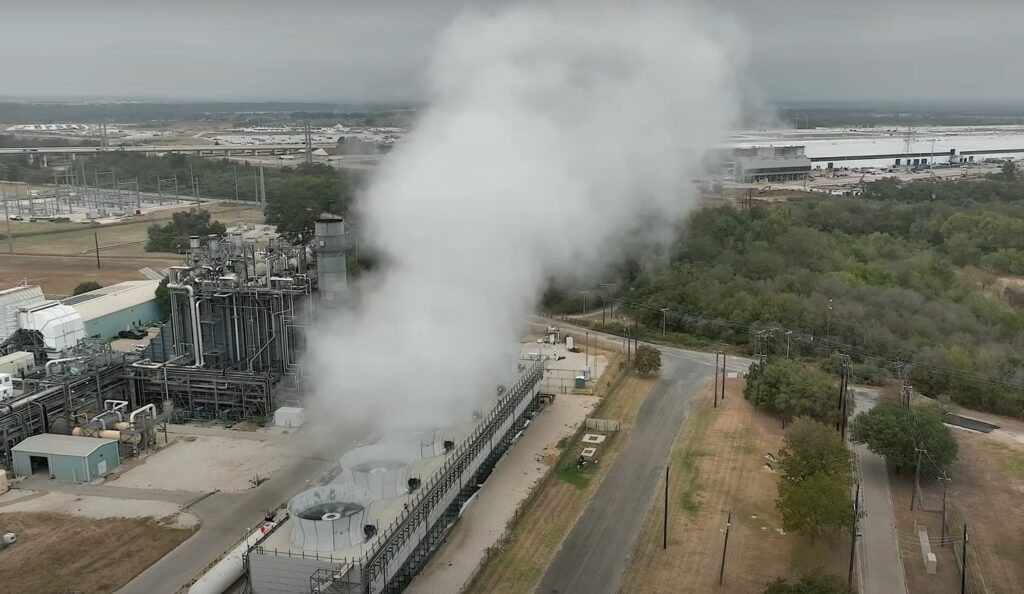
648, 359
817, 582
86, 286
792, 388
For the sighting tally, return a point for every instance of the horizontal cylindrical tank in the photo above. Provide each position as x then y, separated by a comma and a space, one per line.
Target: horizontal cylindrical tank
226, 572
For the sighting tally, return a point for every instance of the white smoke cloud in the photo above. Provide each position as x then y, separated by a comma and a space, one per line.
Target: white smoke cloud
556, 131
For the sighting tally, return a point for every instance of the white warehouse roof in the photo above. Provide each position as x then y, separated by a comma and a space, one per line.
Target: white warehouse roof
61, 445
101, 302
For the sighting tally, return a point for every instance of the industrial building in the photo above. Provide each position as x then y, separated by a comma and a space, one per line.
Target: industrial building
371, 527
66, 458
770, 163
124, 306
11, 300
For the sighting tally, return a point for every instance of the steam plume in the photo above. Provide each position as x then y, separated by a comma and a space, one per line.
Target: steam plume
556, 131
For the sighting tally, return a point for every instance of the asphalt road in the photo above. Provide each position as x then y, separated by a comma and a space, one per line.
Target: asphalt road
227, 517
594, 556
880, 564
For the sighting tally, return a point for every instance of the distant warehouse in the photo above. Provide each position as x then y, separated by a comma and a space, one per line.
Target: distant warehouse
124, 306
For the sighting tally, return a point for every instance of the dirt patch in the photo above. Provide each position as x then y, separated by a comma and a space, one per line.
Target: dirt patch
550, 513
58, 276
61, 553
203, 464
100, 508
719, 465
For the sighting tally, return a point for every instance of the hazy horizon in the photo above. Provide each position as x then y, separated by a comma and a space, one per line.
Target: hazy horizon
324, 51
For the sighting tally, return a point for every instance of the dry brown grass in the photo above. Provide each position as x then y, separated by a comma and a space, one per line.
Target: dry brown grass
58, 276
988, 478
718, 465
57, 553
555, 506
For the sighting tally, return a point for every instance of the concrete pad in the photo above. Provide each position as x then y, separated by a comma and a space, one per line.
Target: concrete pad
205, 463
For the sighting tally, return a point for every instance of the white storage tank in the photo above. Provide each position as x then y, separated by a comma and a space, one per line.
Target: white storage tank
570, 343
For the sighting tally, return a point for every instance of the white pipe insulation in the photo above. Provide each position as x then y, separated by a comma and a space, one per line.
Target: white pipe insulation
197, 334
226, 572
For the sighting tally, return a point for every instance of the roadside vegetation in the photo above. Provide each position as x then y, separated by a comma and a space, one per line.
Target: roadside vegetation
926, 272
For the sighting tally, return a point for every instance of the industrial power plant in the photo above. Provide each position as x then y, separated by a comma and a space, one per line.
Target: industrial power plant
231, 350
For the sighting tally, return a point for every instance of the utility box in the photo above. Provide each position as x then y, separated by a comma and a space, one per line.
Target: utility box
290, 416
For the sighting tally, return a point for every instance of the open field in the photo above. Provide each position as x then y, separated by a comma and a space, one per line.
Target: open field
58, 276
552, 510
60, 553
718, 464
988, 479
116, 239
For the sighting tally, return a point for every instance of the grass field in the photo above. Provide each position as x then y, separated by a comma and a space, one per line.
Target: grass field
718, 465
59, 260
58, 553
116, 239
553, 509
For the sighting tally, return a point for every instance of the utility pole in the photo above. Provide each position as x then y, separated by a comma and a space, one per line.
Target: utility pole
839, 402
917, 479
664, 530
853, 534
96, 240
263, 187
664, 310
716, 379
586, 351
723, 374
584, 302
963, 568
235, 171
7, 217
790, 332
725, 547
828, 326
945, 484
846, 400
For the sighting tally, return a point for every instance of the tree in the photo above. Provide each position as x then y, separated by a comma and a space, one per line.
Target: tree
810, 448
163, 298
892, 431
1009, 170
86, 286
818, 504
648, 359
173, 237
817, 582
792, 389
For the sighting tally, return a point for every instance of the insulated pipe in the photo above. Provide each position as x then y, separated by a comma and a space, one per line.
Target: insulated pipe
119, 404
149, 407
197, 338
56, 361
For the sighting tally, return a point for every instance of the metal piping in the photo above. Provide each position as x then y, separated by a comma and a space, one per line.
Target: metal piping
56, 361
197, 336
149, 407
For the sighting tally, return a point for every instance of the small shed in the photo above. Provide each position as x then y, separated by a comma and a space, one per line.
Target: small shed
290, 416
66, 457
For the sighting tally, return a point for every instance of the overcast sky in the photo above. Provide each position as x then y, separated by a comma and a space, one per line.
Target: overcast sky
375, 50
